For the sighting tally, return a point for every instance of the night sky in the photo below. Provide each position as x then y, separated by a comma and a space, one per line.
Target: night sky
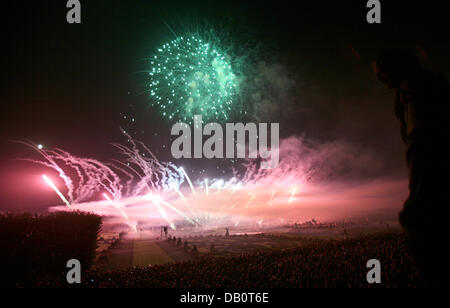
73, 86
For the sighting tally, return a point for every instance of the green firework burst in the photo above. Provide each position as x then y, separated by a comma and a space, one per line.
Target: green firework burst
190, 76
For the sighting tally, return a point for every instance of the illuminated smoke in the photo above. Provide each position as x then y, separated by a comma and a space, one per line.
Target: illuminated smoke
144, 190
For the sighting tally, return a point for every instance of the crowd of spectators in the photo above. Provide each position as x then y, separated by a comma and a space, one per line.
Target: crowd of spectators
318, 263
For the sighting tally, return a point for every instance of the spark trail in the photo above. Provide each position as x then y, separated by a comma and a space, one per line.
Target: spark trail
271, 196
154, 192
50, 183
292, 198
252, 197
188, 179
156, 201
124, 215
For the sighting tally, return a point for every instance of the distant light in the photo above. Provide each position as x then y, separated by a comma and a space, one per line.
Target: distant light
40, 146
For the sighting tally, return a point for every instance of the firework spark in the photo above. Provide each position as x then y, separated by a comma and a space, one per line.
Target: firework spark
252, 197
271, 196
157, 201
292, 198
188, 179
50, 183
124, 215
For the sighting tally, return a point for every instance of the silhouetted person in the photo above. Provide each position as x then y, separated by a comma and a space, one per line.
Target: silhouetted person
422, 108
195, 251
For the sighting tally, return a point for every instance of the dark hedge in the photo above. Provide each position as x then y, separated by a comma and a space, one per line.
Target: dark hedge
42, 244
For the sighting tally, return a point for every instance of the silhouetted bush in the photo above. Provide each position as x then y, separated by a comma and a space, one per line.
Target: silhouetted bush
42, 244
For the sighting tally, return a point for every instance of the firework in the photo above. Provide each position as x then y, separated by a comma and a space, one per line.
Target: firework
188, 179
139, 177
190, 76
155, 192
178, 211
292, 198
156, 201
271, 196
50, 183
252, 197
124, 215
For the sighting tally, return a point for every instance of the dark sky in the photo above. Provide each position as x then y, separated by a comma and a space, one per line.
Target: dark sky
70, 86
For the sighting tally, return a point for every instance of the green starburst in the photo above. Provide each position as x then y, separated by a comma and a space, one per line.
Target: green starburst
190, 76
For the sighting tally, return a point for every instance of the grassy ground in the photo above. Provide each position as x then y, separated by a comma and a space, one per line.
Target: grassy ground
147, 252
140, 252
